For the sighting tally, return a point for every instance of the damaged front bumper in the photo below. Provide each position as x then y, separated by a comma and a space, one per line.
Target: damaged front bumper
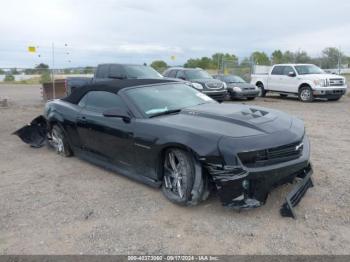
246, 190
243, 187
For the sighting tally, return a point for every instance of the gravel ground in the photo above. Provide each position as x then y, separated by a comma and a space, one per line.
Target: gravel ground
55, 205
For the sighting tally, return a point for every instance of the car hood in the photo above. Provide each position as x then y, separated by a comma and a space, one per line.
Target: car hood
242, 85
229, 120
320, 76
206, 81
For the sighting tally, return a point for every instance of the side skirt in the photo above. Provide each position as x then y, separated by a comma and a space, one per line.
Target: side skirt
92, 158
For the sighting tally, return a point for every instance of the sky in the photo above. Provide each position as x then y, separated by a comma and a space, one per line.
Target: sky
88, 32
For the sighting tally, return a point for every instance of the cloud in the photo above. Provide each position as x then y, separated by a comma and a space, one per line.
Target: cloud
142, 31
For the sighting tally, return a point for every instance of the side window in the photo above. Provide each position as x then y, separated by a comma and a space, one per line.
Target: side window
172, 73
180, 74
287, 69
277, 70
82, 102
100, 101
102, 71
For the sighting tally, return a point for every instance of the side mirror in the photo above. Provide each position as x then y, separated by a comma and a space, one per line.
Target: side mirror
183, 78
291, 74
117, 112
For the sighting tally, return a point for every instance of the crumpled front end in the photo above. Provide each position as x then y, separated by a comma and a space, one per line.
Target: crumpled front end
247, 185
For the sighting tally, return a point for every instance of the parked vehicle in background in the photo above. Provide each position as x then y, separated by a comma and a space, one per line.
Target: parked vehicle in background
201, 80
238, 87
305, 80
113, 71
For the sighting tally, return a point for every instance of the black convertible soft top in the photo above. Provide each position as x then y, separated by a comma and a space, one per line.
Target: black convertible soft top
112, 86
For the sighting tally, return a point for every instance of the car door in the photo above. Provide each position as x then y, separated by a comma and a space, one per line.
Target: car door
276, 79
108, 138
290, 83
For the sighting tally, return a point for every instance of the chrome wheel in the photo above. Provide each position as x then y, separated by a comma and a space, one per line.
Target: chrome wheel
57, 140
174, 175
305, 94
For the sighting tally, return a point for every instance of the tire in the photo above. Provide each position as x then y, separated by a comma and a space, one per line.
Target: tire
262, 92
59, 141
178, 176
283, 95
305, 94
250, 98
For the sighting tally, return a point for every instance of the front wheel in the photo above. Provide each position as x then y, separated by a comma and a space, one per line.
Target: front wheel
305, 94
178, 176
59, 141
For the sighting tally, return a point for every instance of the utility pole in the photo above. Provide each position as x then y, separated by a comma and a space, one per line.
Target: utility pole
339, 60
53, 71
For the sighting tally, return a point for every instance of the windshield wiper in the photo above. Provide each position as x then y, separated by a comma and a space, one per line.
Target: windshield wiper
168, 112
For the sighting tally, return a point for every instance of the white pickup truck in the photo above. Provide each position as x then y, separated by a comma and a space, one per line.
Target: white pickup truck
305, 80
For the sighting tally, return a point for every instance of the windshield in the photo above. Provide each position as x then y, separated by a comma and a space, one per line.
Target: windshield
153, 100
233, 79
141, 71
197, 74
308, 69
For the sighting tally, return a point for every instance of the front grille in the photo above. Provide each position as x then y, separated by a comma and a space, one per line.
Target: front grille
271, 155
214, 85
336, 82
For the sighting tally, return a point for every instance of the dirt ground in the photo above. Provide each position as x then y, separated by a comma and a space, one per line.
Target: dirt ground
55, 205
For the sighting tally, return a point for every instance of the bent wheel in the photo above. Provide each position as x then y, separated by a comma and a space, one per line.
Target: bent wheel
59, 142
178, 176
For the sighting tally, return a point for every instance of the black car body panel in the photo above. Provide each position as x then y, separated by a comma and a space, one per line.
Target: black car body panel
246, 150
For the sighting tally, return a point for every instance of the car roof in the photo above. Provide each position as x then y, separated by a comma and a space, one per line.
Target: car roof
184, 68
112, 86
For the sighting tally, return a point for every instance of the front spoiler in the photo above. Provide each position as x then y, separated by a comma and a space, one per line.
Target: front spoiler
294, 196
236, 195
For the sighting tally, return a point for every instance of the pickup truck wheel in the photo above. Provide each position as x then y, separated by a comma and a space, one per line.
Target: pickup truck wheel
262, 91
305, 94
59, 142
178, 176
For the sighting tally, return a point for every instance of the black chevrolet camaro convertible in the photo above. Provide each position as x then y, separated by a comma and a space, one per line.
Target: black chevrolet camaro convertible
169, 135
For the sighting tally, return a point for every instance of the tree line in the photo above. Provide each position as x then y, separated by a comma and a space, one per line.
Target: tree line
330, 58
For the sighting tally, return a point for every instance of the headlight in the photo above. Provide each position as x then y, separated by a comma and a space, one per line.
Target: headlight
197, 86
321, 82
237, 89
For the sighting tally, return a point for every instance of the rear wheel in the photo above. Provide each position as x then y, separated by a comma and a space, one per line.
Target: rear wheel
178, 177
59, 141
305, 94
262, 91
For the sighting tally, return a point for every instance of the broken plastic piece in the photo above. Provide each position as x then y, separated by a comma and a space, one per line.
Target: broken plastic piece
34, 134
